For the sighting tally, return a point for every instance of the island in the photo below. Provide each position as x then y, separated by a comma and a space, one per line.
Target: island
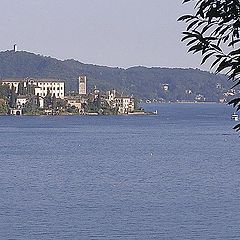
45, 96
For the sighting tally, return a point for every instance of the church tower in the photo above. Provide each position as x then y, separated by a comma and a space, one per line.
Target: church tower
82, 85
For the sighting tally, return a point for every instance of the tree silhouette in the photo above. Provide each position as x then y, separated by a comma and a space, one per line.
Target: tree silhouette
214, 32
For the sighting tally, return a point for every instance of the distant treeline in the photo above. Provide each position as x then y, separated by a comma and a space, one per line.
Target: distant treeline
142, 82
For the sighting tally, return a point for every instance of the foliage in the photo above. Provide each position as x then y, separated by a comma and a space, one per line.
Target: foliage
4, 91
13, 97
142, 82
72, 109
93, 106
3, 107
214, 31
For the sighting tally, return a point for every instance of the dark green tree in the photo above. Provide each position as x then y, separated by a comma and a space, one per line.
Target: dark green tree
4, 91
21, 89
38, 100
48, 100
214, 32
13, 97
54, 102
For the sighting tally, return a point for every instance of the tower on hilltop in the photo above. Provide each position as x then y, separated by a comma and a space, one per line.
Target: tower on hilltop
82, 85
15, 47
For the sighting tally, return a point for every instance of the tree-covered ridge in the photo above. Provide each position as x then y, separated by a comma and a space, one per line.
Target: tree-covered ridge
142, 82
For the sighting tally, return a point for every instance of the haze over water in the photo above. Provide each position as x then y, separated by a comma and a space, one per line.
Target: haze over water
171, 176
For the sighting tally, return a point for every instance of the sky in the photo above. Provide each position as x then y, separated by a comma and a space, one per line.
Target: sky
118, 33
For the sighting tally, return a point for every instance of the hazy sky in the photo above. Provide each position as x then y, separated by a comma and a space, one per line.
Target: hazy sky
119, 33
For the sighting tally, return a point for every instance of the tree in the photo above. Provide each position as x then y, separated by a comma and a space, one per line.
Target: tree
21, 88
4, 91
214, 31
48, 100
13, 97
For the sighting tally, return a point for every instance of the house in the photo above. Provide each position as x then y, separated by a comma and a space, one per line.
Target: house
200, 98
165, 87
21, 100
78, 102
124, 104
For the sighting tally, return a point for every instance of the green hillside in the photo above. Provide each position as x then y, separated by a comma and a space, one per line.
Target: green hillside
146, 83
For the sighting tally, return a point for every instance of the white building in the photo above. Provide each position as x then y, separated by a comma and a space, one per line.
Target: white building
82, 85
41, 86
52, 86
75, 101
165, 87
41, 102
21, 101
124, 104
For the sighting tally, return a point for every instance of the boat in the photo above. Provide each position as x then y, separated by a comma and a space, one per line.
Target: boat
235, 117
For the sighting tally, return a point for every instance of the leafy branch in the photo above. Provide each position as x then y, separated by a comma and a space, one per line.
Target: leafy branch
214, 32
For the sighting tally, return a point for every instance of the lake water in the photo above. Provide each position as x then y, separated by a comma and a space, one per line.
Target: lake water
171, 176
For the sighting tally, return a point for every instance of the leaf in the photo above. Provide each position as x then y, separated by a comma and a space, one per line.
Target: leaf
205, 28
224, 64
232, 43
195, 48
185, 38
235, 52
216, 47
191, 42
237, 127
216, 61
200, 13
206, 57
192, 24
188, 35
223, 30
185, 17
234, 102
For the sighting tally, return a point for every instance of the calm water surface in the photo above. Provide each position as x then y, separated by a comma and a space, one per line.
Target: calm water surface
171, 176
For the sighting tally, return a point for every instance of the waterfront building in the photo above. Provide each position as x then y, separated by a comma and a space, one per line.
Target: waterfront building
125, 104
21, 101
76, 101
35, 86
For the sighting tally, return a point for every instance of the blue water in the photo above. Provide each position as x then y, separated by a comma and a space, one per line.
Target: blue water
171, 176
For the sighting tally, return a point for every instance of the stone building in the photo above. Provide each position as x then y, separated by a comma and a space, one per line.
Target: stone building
37, 86
82, 85
125, 104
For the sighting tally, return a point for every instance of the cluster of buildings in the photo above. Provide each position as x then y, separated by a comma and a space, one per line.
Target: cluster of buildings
221, 95
41, 89
97, 101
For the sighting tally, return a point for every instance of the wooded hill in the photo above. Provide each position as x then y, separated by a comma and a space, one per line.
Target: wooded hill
142, 82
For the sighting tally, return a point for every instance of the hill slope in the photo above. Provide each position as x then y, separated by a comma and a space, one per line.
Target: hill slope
141, 81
